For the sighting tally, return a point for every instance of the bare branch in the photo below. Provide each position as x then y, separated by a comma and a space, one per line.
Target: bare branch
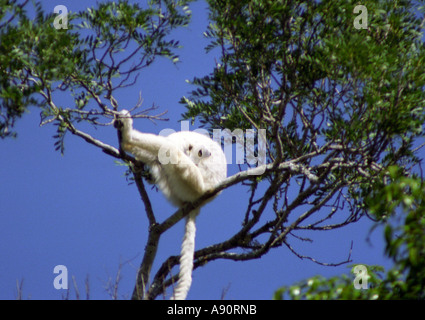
348, 260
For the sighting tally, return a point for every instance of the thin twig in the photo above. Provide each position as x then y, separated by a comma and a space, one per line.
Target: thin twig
328, 264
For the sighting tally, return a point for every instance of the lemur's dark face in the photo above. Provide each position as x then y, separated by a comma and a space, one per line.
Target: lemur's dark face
197, 152
123, 118
118, 124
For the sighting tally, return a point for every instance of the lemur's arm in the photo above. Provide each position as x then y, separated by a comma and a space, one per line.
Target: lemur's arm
176, 170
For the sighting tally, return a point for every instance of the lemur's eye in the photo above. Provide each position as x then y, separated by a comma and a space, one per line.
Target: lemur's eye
200, 153
190, 147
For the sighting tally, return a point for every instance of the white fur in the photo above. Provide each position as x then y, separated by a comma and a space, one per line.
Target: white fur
184, 165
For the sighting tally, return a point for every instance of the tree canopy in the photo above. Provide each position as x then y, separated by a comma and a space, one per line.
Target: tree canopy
399, 205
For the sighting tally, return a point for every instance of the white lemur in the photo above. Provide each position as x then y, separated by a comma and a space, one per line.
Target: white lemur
184, 166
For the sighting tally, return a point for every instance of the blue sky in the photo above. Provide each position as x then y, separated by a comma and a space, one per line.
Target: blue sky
78, 210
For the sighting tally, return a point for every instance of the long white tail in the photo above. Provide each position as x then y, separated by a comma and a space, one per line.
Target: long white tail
186, 258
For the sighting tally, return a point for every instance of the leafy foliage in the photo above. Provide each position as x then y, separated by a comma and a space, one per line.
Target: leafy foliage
282, 59
91, 59
34, 55
345, 103
335, 288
